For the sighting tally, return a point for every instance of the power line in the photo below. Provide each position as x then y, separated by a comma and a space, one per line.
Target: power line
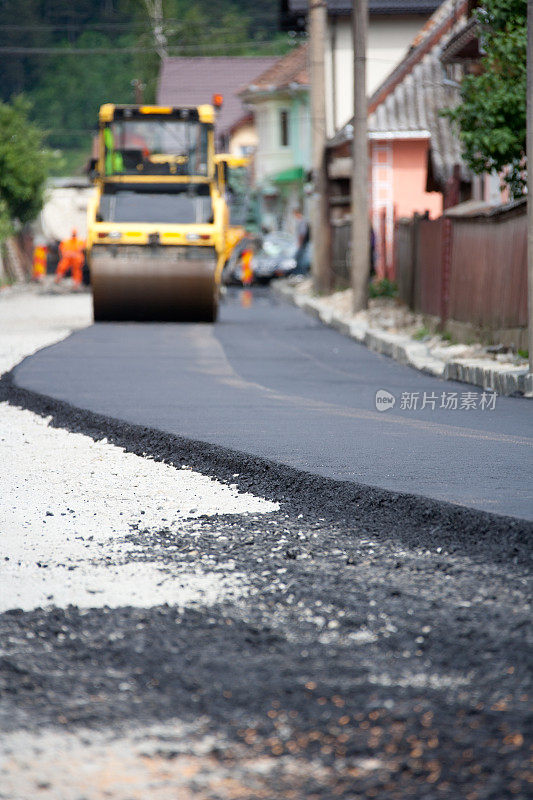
75, 26
68, 131
71, 51
84, 51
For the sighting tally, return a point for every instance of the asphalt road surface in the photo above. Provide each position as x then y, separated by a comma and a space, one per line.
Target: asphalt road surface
270, 381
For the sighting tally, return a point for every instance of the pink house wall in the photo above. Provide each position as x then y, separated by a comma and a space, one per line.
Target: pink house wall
409, 166
399, 171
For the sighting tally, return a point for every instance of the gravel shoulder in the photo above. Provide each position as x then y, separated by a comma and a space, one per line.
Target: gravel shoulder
357, 643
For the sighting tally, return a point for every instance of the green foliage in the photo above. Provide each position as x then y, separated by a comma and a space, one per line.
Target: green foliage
492, 112
421, 333
67, 89
23, 165
6, 226
70, 161
382, 288
209, 28
67, 100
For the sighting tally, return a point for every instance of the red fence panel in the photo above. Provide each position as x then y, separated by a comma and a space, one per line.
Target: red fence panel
488, 280
469, 266
429, 252
404, 259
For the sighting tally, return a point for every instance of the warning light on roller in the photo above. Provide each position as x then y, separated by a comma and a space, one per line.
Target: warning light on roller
218, 100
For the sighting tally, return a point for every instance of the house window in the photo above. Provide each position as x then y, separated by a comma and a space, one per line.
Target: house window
284, 127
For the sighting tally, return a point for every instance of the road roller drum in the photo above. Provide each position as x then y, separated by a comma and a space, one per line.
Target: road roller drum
161, 283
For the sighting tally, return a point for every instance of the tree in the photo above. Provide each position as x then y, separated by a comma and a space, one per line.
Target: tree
39, 44
67, 99
492, 112
23, 165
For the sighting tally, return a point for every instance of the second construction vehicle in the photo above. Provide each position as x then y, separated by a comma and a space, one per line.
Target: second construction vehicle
158, 224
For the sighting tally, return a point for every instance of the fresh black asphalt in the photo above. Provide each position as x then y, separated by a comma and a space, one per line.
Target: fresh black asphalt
271, 382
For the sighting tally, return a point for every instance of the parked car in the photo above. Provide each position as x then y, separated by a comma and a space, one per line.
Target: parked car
275, 258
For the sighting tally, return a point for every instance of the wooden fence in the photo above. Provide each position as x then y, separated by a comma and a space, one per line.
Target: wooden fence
341, 249
469, 266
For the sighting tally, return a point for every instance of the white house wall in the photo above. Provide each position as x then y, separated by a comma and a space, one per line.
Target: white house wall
301, 132
271, 156
389, 39
243, 141
388, 42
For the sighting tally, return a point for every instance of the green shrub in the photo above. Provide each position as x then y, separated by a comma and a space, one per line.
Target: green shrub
382, 288
421, 333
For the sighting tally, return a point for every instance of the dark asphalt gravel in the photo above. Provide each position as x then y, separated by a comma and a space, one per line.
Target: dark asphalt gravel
271, 382
382, 626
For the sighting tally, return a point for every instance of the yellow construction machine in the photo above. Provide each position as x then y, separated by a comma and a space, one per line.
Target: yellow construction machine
158, 225
233, 178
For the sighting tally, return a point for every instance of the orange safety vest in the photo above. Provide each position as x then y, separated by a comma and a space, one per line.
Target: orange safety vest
72, 248
247, 269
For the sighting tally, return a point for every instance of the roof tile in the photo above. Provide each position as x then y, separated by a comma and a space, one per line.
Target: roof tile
291, 68
193, 81
374, 6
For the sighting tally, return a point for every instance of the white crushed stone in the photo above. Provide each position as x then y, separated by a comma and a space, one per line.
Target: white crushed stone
420, 680
167, 761
67, 503
31, 319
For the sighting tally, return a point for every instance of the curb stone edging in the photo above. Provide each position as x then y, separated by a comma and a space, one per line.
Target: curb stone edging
414, 354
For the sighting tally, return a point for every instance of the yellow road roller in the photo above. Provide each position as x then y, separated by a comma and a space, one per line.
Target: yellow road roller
158, 223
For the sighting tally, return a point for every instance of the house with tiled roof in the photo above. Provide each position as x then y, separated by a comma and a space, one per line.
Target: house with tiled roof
414, 152
193, 81
392, 26
279, 99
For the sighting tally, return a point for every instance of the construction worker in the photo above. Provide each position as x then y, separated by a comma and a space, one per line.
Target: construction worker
72, 258
247, 272
113, 159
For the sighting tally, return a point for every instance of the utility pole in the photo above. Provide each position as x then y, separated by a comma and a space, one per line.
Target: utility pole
154, 9
529, 150
321, 267
360, 233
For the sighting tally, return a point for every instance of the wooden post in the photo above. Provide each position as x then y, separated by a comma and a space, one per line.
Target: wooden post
360, 222
320, 233
529, 149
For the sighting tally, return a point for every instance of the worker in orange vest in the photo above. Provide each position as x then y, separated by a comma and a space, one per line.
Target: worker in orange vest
247, 273
39, 262
72, 258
